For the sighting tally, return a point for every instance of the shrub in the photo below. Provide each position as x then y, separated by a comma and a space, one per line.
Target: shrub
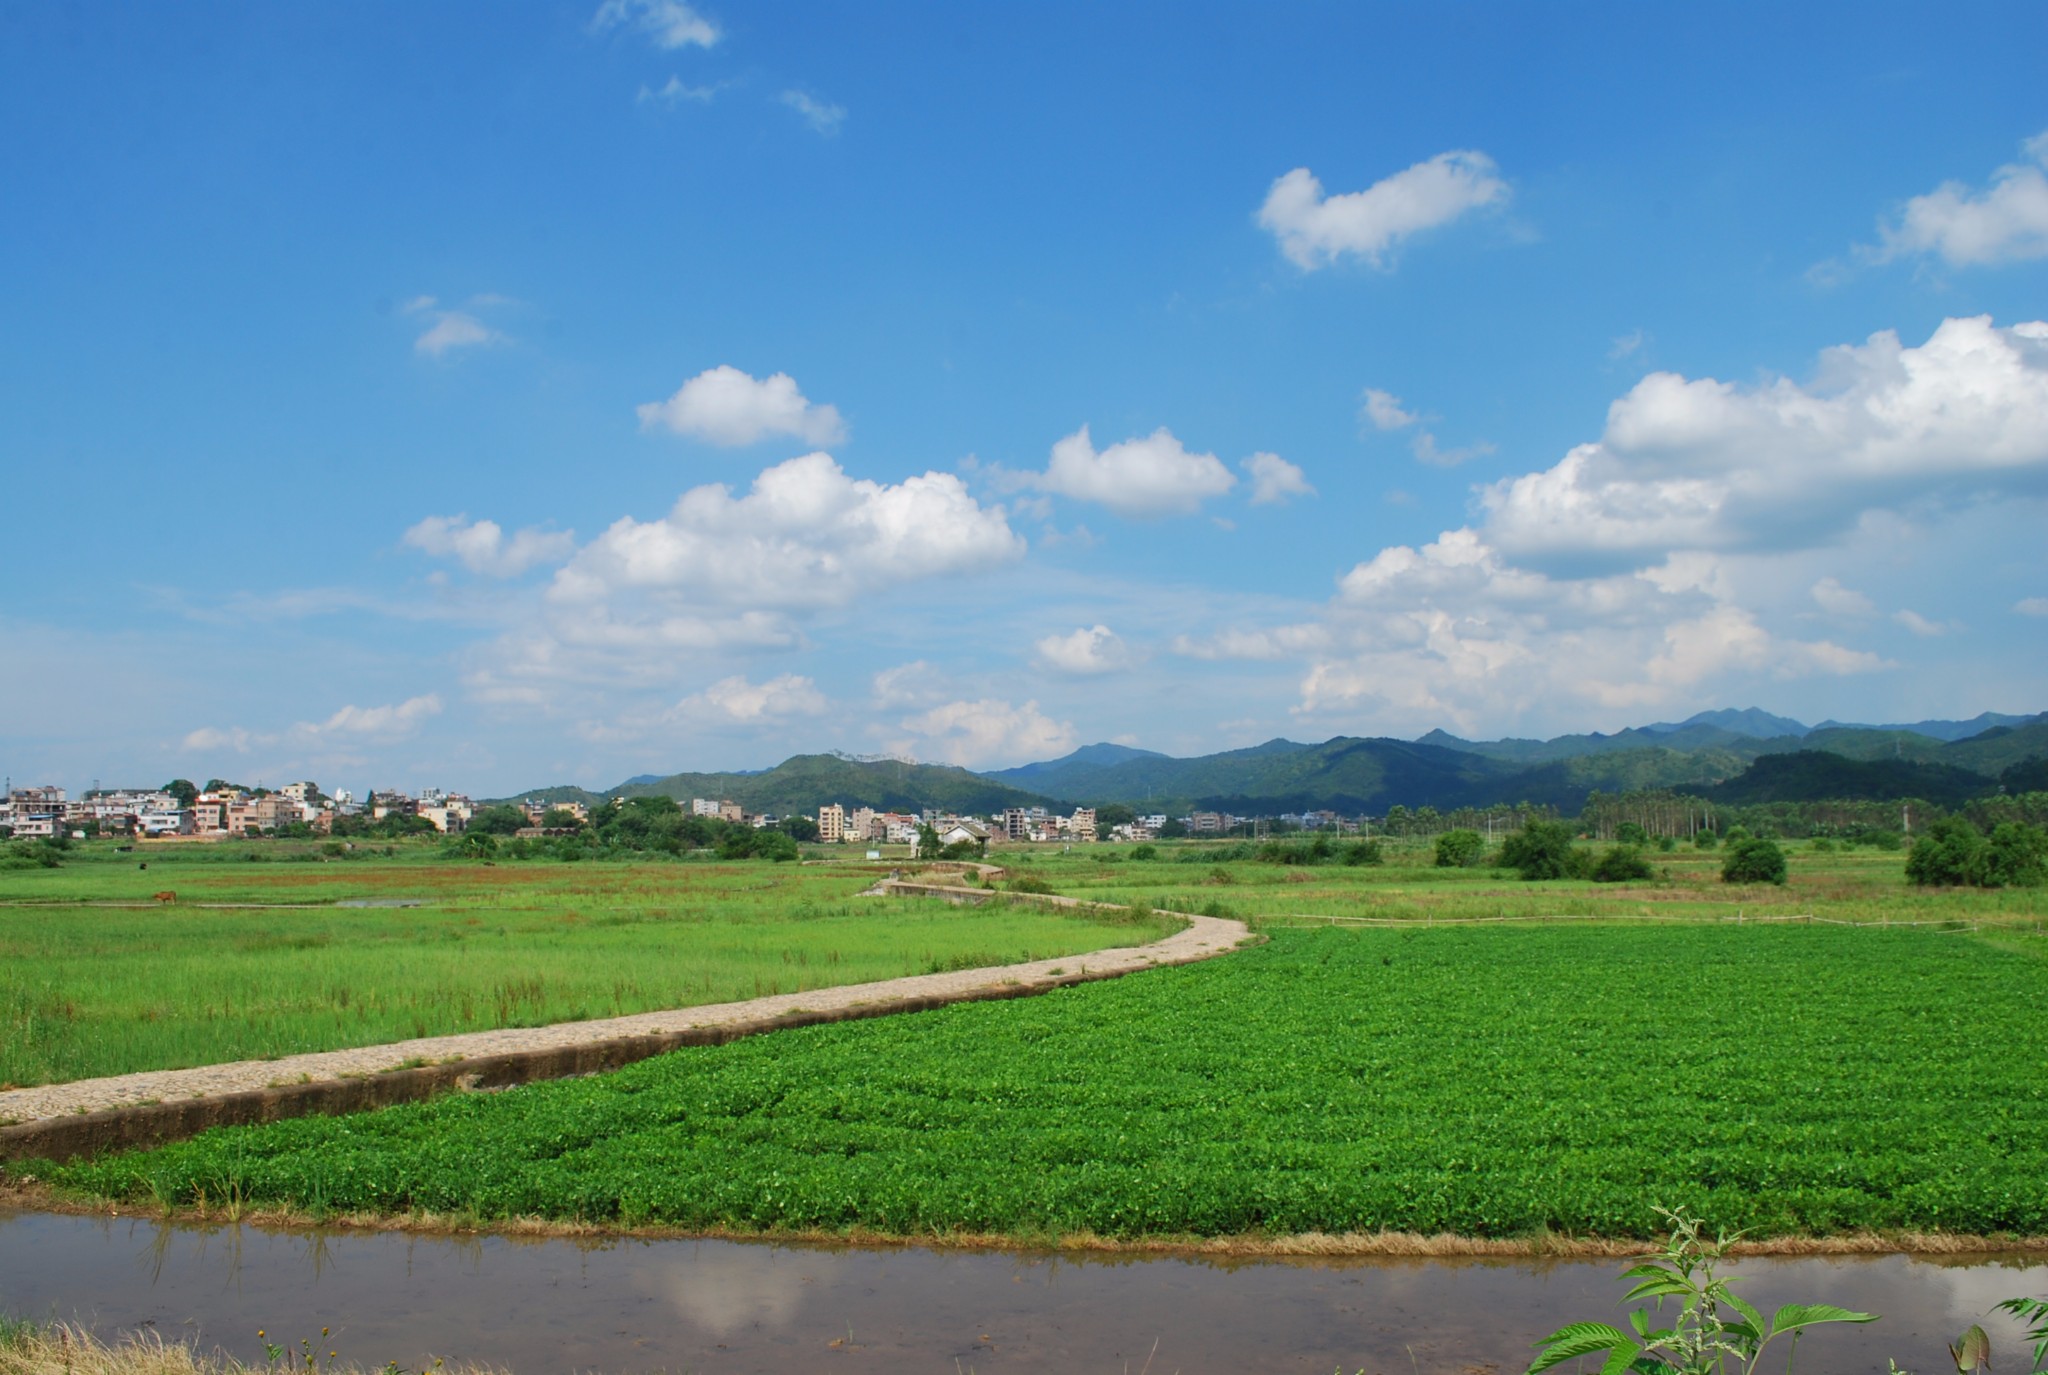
1822, 845
1753, 861
1460, 849
1145, 852
1667, 843
1542, 850
1631, 833
1705, 840
1882, 840
1736, 835
1366, 852
1028, 883
1622, 864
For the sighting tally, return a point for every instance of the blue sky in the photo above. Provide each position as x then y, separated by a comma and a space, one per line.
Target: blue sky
492, 395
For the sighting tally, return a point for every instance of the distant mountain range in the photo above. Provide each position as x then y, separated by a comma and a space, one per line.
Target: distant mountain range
1718, 754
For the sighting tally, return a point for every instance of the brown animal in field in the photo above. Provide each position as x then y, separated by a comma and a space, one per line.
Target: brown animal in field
166, 896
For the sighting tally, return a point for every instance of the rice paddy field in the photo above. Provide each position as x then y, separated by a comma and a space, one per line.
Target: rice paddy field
1481, 1080
256, 959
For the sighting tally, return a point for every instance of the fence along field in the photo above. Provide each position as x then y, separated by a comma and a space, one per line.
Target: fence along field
1490, 1081
91, 990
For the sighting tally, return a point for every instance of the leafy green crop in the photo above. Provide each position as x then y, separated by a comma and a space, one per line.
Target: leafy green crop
1489, 1081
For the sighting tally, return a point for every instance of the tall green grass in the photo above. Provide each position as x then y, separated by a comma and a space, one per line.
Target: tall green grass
92, 990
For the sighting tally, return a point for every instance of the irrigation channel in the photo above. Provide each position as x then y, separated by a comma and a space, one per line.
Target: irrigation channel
721, 1306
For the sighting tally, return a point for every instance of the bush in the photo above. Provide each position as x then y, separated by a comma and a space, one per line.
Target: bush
1753, 861
1028, 883
1144, 852
1667, 843
1365, 852
1622, 864
1541, 850
1706, 840
1460, 849
1822, 845
1882, 840
1631, 833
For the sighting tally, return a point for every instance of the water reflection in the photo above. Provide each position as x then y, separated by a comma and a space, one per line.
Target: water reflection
633, 1305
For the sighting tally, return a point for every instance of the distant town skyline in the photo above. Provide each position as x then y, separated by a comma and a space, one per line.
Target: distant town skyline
508, 396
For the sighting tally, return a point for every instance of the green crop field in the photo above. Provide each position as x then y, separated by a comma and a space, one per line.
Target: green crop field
1483, 1080
89, 989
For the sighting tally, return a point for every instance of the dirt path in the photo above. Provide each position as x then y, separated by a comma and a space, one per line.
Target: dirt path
1203, 938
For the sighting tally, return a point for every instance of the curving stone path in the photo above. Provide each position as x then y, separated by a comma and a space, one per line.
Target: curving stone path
519, 1054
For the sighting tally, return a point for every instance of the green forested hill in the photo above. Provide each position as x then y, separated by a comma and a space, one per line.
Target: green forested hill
1818, 776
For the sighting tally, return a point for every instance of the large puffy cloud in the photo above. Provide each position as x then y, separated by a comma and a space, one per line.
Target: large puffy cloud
984, 732
1314, 230
1089, 650
804, 535
482, 546
1156, 475
725, 406
2006, 222
1706, 464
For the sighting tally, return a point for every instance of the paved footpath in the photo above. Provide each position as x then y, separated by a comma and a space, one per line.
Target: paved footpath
1203, 938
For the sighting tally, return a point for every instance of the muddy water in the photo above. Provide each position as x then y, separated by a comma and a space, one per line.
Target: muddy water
634, 1305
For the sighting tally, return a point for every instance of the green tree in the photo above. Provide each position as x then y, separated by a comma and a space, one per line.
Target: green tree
183, 790
501, 820
1540, 850
1112, 815
928, 844
1947, 854
1754, 861
1460, 849
2016, 857
560, 819
799, 827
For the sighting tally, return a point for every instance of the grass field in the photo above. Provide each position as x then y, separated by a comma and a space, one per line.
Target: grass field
1859, 885
90, 990
1482, 1080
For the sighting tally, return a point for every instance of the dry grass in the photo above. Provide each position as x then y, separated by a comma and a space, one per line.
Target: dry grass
67, 1350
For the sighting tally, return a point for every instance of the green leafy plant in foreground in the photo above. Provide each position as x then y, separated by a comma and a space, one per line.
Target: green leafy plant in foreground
1715, 1329
2033, 1311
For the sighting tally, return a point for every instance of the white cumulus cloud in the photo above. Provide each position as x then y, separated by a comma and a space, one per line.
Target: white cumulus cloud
1090, 650
1274, 480
984, 732
1314, 230
2031, 606
482, 547
668, 24
737, 700
1705, 464
1919, 624
2005, 222
743, 571
725, 406
1155, 475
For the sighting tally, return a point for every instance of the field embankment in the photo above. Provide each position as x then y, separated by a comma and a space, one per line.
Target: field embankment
1488, 1082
